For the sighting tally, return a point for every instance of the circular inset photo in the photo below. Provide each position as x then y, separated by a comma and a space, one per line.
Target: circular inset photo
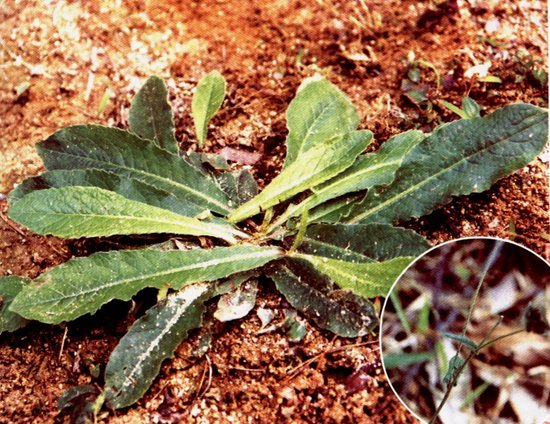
465, 335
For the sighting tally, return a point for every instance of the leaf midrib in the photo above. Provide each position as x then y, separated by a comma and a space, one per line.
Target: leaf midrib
213, 262
170, 181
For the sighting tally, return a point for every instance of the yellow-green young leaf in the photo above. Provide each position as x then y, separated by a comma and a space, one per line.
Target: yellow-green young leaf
319, 113
369, 170
10, 286
461, 157
207, 99
129, 156
309, 170
74, 212
369, 279
151, 116
83, 285
154, 337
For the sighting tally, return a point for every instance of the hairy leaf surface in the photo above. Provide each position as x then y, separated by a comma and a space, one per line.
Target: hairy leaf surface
207, 99
10, 286
311, 169
369, 170
368, 279
151, 115
74, 212
129, 156
338, 311
462, 157
83, 285
136, 360
319, 113
362, 242
129, 188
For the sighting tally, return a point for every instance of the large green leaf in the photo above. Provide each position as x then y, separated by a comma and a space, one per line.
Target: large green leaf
362, 242
74, 212
311, 169
319, 113
10, 286
129, 156
367, 279
154, 337
151, 115
207, 99
339, 311
462, 157
369, 170
130, 188
83, 285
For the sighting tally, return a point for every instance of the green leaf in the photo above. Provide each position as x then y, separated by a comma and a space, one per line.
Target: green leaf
471, 108
362, 242
129, 188
74, 212
369, 279
454, 368
339, 311
154, 337
462, 157
207, 99
309, 170
151, 115
470, 344
128, 156
319, 113
83, 285
10, 286
454, 109
399, 360
369, 170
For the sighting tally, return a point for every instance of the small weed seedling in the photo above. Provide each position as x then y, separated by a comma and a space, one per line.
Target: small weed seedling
325, 235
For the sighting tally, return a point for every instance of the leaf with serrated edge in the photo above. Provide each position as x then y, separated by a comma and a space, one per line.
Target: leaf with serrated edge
319, 113
10, 286
129, 156
83, 285
151, 115
369, 279
339, 311
129, 188
207, 99
311, 169
369, 170
137, 358
74, 212
458, 158
362, 242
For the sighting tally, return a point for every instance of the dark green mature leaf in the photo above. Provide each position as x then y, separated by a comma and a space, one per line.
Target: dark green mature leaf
462, 157
207, 99
74, 212
129, 188
151, 115
129, 156
309, 170
10, 286
83, 285
319, 113
362, 242
136, 360
368, 279
369, 170
338, 311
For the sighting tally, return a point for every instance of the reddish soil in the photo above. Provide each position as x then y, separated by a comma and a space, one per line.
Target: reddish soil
74, 53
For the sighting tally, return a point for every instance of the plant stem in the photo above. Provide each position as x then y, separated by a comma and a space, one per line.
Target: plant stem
455, 375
